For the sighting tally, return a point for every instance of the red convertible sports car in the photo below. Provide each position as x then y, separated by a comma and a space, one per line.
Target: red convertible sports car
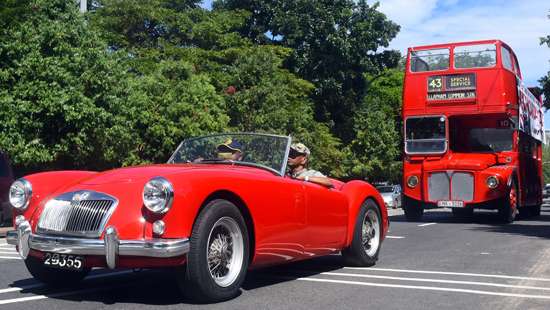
206, 214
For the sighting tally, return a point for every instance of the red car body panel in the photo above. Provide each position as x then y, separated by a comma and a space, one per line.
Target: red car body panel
288, 218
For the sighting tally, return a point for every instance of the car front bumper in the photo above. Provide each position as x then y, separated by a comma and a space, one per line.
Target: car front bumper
111, 246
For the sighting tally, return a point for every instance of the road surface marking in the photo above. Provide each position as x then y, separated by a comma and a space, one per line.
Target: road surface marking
425, 288
395, 237
17, 289
450, 273
10, 257
426, 224
38, 297
436, 281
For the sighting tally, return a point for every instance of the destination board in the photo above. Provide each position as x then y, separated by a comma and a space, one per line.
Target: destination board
451, 87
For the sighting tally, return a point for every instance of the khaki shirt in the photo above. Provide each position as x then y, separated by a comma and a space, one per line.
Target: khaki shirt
307, 173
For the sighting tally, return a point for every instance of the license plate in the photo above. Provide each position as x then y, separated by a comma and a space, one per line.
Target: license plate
450, 204
64, 261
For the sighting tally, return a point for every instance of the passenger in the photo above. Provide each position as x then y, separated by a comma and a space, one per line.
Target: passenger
230, 150
298, 159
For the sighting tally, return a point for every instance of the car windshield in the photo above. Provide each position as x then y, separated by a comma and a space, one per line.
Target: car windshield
260, 150
385, 189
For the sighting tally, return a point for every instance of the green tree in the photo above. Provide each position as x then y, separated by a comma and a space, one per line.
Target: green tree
546, 163
334, 43
259, 94
545, 80
374, 153
68, 101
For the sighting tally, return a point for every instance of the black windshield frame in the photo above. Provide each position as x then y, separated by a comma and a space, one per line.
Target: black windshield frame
416, 136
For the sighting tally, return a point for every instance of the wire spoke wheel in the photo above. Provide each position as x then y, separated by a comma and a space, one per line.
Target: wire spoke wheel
225, 251
370, 232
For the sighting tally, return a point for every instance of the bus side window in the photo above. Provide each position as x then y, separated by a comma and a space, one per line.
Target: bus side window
506, 58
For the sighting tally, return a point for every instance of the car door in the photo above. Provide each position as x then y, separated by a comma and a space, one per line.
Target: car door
280, 233
327, 215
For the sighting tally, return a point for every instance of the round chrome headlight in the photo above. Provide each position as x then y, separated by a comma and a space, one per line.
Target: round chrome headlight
492, 182
20, 194
158, 195
412, 181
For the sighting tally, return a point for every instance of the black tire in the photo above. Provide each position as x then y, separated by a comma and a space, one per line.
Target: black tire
508, 208
357, 254
413, 210
53, 276
535, 211
195, 279
463, 212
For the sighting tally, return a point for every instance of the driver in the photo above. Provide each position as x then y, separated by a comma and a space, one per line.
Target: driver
230, 150
298, 159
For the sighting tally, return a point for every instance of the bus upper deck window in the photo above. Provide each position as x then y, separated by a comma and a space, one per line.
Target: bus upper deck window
475, 56
506, 58
430, 60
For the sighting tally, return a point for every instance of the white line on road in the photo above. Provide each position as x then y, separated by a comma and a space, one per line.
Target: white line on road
450, 273
395, 237
6, 252
426, 224
38, 297
426, 288
10, 257
436, 281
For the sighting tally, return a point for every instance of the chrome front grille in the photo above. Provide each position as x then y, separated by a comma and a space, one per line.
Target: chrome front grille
450, 185
438, 186
462, 184
82, 213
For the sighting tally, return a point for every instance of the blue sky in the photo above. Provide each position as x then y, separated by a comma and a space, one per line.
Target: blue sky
518, 23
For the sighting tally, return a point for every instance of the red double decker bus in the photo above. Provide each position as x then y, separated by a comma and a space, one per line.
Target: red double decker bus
472, 132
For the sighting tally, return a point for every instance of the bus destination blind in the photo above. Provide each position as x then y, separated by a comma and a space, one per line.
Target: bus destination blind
451, 87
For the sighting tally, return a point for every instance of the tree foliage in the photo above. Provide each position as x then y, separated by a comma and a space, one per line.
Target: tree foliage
545, 80
126, 82
333, 43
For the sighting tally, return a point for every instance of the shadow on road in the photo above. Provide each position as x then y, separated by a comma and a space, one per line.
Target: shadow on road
159, 287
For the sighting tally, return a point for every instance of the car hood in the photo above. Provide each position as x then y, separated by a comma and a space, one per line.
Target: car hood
136, 174
462, 161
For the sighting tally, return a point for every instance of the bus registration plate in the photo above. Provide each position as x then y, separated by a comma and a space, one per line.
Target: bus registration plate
450, 204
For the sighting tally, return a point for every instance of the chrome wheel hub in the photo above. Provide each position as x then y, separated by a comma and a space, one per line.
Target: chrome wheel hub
225, 251
370, 233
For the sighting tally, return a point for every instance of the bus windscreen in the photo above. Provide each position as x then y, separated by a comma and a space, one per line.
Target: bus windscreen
425, 135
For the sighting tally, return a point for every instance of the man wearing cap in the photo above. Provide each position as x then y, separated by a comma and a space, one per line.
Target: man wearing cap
230, 150
298, 158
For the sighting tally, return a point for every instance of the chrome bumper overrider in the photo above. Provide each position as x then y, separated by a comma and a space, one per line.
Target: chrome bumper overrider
110, 247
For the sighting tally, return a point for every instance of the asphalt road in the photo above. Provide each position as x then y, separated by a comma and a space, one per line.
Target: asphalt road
439, 263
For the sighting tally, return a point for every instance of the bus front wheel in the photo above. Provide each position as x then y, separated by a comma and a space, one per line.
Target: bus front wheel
413, 209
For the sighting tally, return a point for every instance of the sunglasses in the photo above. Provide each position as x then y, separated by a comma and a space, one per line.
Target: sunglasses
293, 154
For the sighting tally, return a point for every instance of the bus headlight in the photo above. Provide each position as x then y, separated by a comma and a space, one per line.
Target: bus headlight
492, 182
20, 194
158, 195
412, 181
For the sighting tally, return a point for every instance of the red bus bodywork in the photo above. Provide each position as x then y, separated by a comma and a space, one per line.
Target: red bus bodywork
474, 104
